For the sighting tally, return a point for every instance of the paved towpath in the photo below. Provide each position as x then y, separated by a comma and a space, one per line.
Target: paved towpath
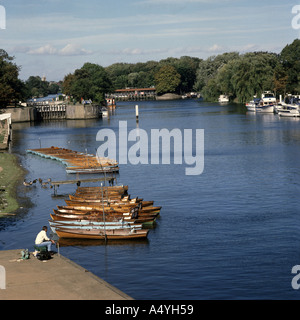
55, 279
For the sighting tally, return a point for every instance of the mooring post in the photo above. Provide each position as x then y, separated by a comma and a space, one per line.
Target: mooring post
137, 113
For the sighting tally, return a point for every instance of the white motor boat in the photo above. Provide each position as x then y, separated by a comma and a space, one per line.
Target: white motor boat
223, 98
289, 112
104, 112
251, 106
265, 104
290, 107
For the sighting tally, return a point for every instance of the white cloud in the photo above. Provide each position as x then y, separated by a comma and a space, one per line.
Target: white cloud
73, 50
44, 50
48, 49
216, 48
137, 51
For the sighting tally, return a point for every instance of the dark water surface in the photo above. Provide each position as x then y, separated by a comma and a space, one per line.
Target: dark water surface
232, 232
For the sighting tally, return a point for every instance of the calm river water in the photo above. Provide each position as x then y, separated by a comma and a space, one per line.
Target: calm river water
232, 232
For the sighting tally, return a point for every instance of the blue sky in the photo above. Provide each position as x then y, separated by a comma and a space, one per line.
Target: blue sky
55, 37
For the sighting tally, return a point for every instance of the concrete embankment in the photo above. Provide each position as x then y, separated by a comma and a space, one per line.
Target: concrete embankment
74, 112
49, 112
22, 114
56, 279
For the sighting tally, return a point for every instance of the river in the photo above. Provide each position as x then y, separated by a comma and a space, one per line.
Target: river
231, 232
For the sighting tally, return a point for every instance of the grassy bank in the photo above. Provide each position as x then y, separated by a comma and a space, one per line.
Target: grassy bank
11, 175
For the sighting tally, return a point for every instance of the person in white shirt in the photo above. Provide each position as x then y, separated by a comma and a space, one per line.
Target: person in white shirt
42, 239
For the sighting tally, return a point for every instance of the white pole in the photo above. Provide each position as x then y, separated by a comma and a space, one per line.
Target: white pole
137, 112
103, 213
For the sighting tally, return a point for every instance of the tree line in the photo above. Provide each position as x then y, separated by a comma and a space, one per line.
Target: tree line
240, 76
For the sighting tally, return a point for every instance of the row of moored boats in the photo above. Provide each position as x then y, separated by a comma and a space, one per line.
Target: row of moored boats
103, 213
289, 107
78, 162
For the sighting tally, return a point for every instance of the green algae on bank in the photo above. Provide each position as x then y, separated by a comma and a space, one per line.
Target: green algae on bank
11, 175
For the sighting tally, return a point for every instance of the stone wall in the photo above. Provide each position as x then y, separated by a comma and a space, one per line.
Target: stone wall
22, 114
73, 112
81, 111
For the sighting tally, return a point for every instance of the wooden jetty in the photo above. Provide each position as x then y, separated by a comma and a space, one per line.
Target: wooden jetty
56, 184
78, 162
132, 94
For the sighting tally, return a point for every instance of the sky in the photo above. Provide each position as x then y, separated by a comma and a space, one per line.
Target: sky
53, 38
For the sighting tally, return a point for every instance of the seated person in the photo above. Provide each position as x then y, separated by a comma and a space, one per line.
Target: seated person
42, 239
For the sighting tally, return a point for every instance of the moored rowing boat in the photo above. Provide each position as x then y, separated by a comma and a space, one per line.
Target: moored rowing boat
145, 220
102, 234
94, 226
95, 213
112, 200
115, 206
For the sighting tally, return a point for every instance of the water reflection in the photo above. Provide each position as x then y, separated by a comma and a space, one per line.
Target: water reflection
93, 243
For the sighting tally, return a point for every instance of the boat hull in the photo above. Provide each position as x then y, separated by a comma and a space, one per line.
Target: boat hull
94, 224
145, 220
265, 109
106, 227
289, 113
101, 235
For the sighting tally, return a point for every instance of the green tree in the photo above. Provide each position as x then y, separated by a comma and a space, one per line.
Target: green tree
290, 58
53, 88
239, 76
67, 84
280, 80
35, 87
211, 91
252, 74
118, 74
210, 67
224, 78
167, 79
89, 82
11, 87
142, 75
121, 82
187, 68
133, 79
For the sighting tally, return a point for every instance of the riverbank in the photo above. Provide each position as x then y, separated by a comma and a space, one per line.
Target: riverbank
11, 175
